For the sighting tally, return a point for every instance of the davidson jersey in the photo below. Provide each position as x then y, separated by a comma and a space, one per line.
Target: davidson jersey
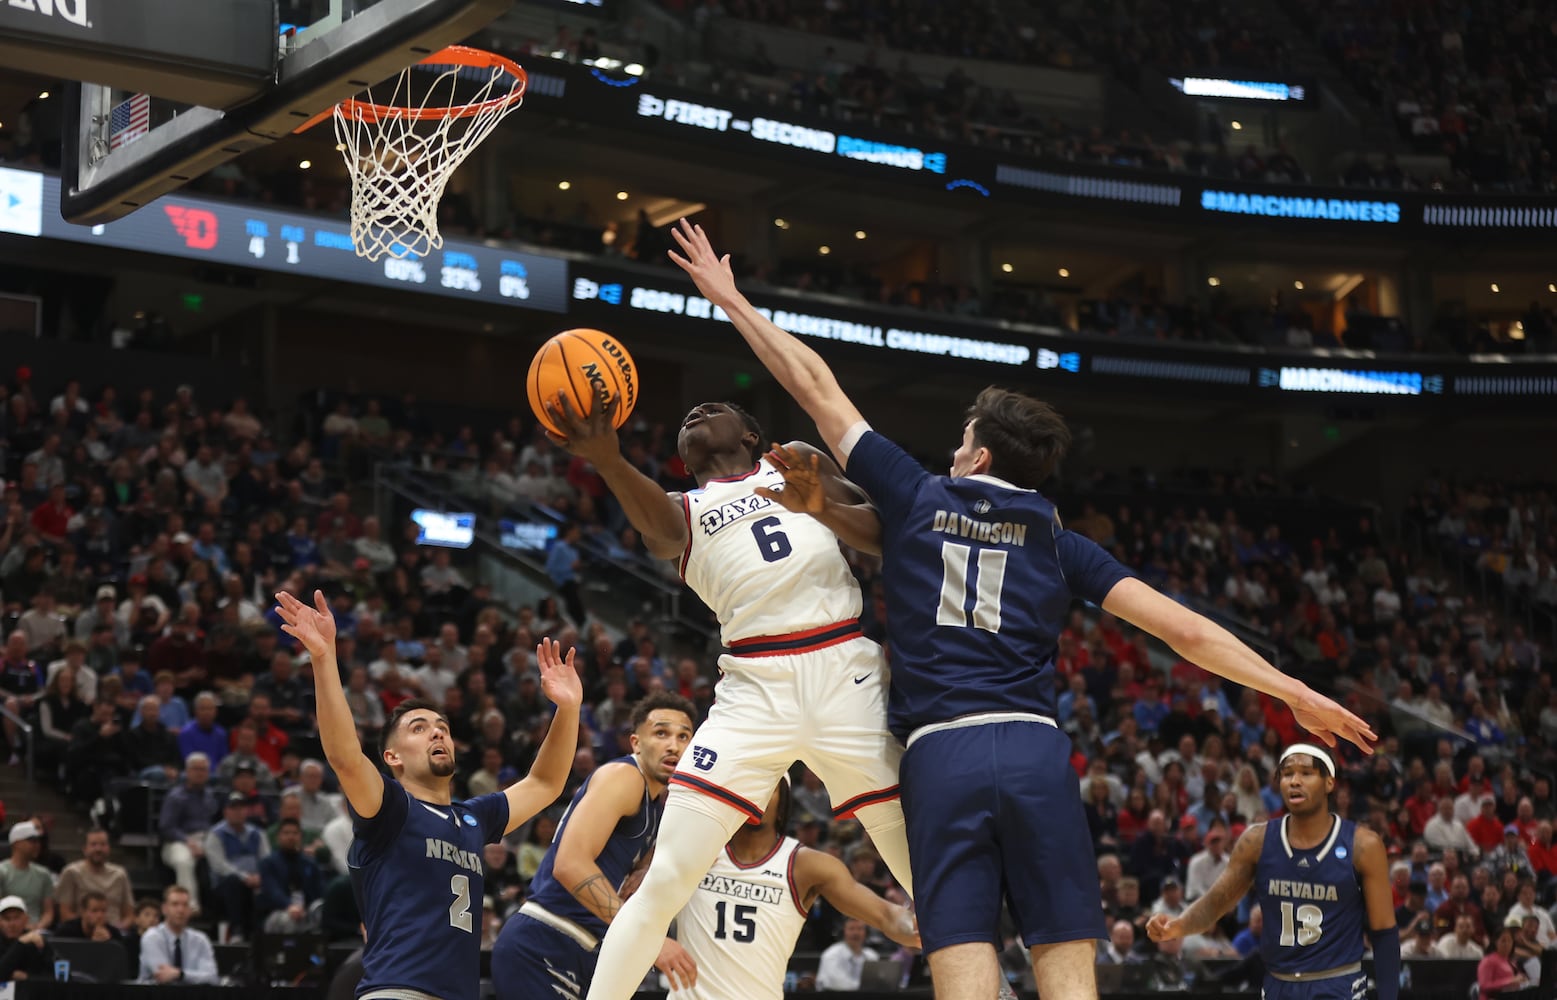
741, 925
762, 569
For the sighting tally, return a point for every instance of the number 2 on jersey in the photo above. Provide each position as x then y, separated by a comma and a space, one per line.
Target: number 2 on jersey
954, 587
1310, 920
745, 923
459, 910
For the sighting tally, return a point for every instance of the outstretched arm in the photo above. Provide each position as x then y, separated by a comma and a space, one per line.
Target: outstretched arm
820, 872
549, 773
814, 485
800, 370
1223, 895
314, 627
1201, 641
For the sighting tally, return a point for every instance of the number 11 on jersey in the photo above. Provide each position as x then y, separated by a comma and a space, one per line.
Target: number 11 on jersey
991, 563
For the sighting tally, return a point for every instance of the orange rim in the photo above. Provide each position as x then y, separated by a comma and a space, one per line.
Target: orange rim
454, 55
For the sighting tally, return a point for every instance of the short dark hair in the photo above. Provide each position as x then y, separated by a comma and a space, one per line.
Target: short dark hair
92, 896
1026, 438
750, 423
401, 711
658, 700
288, 822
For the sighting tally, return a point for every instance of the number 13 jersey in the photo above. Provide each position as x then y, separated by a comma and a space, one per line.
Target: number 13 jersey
762, 569
741, 925
1311, 901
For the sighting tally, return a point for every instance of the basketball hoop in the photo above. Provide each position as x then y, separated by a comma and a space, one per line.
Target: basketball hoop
401, 155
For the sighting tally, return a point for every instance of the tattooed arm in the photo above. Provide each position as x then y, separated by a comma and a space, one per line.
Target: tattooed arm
1223, 895
615, 792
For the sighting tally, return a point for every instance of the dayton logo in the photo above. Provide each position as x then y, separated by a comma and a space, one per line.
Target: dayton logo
74, 11
703, 758
197, 226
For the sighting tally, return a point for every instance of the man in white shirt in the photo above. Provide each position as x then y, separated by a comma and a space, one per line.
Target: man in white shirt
1207, 865
1121, 942
434, 676
1171, 901
173, 952
1445, 831
843, 962
1460, 944
1546, 934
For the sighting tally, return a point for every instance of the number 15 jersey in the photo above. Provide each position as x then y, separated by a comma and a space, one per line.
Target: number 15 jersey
761, 569
741, 925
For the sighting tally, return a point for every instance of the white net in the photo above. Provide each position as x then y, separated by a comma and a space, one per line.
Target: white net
401, 154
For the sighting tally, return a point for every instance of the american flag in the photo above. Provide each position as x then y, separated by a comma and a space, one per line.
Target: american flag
129, 121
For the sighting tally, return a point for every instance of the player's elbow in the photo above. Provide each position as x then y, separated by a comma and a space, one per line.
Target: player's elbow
1188, 632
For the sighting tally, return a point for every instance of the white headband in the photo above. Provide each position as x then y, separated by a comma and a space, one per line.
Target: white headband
1315, 752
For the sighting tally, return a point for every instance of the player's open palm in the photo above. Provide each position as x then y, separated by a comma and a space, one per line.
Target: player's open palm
674, 961
802, 492
1329, 721
559, 680
314, 627
1162, 927
710, 272
591, 435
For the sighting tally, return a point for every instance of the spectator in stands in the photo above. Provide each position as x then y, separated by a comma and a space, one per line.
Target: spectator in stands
21, 683
289, 697
1546, 934
1444, 831
180, 650
91, 923
151, 748
245, 758
1509, 855
269, 741
174, 952
97, 751
841, 965
202, 734
184, 822
1496, 973
22, 876
58, 712
1485, 830
318, 806
95, 874
24, 953
173, 709
290, 883
1120, 949
43, 626
234, 849
1207, 865
1171, 901
75, 658
1420, 943
1460, 906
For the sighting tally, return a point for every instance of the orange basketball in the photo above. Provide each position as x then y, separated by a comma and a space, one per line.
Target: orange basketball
580, 363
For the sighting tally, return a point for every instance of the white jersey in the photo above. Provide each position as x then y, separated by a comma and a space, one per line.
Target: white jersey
740, 927
763, 570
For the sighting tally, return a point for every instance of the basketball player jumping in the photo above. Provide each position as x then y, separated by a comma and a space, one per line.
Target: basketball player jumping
415, 858
979, 578
742, 923
1319, 879
801, 681
547, 949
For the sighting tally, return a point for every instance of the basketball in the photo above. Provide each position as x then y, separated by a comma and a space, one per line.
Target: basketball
580, 363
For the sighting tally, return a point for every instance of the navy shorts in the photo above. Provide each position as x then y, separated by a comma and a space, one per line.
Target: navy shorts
994, 812
1349, 987
532, 960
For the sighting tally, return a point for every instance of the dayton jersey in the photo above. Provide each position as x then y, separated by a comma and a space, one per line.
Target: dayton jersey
629, 843
762, 569
1311, 901
417, 873
741, 925
979, 577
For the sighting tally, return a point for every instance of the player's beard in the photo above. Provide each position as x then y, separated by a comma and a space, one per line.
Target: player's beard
441, 767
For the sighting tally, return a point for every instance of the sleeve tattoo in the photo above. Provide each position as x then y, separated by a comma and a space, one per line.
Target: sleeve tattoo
598, 897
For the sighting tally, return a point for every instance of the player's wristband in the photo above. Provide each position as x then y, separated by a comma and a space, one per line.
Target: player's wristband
1386, 961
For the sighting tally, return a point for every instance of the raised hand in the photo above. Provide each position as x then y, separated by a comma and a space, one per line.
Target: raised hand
590, 436
709, 271
559, 681
802, 492
1328, 720
313, 627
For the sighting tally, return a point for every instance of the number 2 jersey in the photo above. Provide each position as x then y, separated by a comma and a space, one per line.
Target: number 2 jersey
762, 569
1310, 900
418, 875
979, 577
741, 925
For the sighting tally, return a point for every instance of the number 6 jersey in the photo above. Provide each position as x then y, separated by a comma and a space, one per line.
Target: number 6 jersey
1311, 901
762, 569
741, 925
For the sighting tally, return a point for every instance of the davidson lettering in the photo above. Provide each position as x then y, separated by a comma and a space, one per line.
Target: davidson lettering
74, 11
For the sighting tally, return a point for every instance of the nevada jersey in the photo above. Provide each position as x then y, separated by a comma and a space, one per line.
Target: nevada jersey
417, 873
762, 569
1311, 901
741, 925
629, 843
992, 562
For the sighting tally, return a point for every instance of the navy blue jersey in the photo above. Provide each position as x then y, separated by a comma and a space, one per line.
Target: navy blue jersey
979, 577
632, 839
1311, 901
417, 873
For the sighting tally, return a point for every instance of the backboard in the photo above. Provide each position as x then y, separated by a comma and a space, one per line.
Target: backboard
156, 109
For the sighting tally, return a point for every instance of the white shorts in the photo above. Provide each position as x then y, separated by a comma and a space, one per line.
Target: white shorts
826, 706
